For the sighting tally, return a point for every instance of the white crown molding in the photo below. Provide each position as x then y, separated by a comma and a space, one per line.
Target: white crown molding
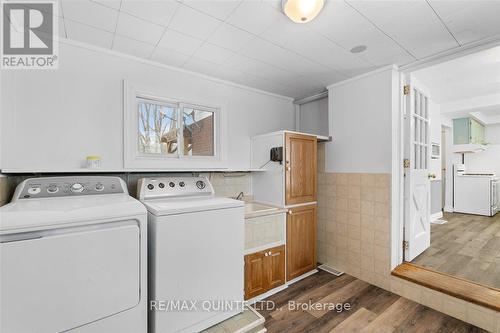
364, 75
177, 69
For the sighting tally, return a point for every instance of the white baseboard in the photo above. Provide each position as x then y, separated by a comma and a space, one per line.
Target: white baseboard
448, 209
436, 216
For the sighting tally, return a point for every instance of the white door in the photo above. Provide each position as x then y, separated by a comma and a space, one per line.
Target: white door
417, 184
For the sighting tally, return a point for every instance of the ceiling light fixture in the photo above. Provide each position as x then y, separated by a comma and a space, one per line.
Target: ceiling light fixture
302, 11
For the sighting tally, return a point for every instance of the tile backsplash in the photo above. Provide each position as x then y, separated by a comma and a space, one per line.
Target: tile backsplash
227, 184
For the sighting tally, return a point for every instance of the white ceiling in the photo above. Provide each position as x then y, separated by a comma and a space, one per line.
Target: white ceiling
469, 85
251, 42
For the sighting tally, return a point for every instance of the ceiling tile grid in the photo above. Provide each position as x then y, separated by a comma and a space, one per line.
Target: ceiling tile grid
252, 43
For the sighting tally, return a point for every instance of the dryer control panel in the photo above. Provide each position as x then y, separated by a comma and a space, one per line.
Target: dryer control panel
51, 187
162, 187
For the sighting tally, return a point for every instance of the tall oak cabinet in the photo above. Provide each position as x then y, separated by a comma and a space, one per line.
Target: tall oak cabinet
290, 184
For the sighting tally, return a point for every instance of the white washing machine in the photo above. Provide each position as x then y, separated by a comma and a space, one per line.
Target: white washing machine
73, 257
196, 261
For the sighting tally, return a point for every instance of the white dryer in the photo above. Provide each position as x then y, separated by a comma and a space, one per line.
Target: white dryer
73, 257
196, 262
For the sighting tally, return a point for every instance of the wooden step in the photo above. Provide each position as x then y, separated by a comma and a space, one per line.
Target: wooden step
460, 288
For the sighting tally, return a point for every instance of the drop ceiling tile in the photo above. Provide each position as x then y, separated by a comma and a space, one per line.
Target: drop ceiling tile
138, 29
253, 16
212, 53
259, 69
87, 34
272, 54
413, 24
344, 26
312, 45
470, 21
114, 4
193, 23
230, 37
159, 12
219, 8
132, 47
180, 42
201, 66
169, 57
90, 13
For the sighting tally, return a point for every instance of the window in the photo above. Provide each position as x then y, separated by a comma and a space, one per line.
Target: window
161, 133
158, 127
173, 129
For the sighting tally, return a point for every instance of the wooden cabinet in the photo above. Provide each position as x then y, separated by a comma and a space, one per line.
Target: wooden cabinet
264, 271
300, 168
468, 131
301, 241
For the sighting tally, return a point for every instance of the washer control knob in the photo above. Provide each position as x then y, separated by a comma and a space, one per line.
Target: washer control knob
171, 184
200, 184
77, 188
34, 190
52, 189
151, 187
99, 187
161, 185
182, 184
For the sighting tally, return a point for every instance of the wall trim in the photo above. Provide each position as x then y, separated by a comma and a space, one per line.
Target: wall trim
311, 98
164, 66
364, 75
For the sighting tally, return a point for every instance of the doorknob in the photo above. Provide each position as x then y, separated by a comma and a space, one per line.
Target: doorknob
431, 176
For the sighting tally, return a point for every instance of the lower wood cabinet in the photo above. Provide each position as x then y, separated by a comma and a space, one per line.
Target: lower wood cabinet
264, 270
300, 240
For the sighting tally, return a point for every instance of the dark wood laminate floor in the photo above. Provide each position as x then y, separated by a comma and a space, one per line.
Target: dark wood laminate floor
467, 246
372, 309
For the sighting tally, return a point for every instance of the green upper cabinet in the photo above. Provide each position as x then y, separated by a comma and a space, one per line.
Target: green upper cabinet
466, 131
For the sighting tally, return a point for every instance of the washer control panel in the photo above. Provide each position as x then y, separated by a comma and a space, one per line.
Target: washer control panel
50, 187
173, 187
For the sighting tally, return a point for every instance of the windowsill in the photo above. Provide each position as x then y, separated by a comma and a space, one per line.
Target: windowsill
460, 288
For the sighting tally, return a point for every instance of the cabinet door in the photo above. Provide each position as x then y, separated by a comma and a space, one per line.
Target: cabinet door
275, 266
461, 131
301, 240
256, 281
476, 132
300, 168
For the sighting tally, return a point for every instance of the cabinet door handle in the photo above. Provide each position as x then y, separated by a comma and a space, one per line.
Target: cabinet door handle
290, 212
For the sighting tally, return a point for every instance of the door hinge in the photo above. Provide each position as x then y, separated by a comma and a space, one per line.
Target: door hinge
406, 89
406, 245
406, 163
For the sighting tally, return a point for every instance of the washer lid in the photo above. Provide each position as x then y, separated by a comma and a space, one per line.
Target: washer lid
163, 206
52, 212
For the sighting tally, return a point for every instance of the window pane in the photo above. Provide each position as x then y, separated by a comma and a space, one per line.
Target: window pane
157, 128
198, 132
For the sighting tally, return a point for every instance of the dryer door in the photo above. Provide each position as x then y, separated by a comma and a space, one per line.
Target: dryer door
56, 280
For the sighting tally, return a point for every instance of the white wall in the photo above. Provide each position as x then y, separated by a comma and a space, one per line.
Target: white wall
435, 137
314, 117
52, 119
360, 116
488, 160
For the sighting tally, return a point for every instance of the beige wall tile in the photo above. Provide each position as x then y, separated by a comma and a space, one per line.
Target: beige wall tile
358, 242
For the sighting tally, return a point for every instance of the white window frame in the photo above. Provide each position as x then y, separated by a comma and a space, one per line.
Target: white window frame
135, 160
